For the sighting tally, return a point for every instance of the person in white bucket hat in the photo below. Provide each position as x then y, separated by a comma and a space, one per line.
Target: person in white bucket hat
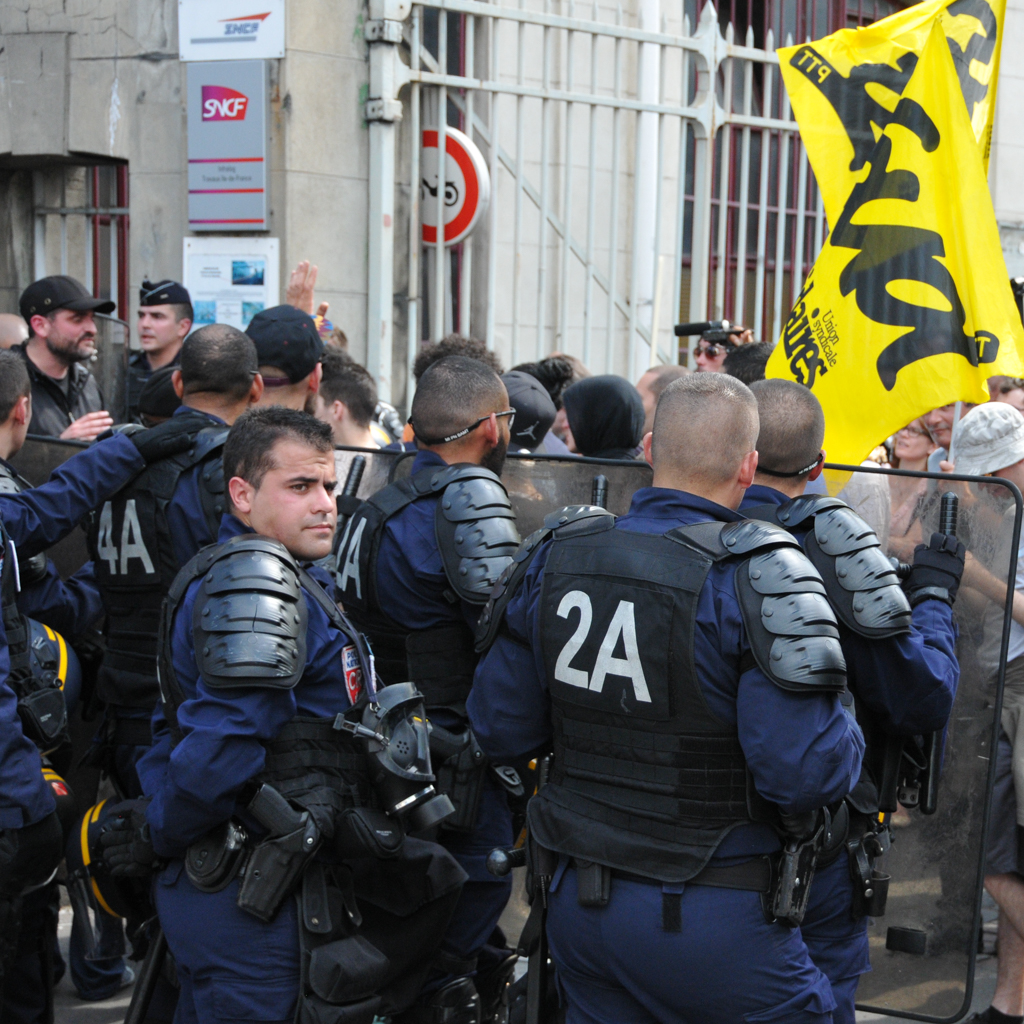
990, 442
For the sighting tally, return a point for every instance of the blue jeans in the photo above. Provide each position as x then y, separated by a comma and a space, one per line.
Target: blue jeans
99, 978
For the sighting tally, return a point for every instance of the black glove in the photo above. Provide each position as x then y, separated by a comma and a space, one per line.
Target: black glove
161, 441
127, 849
936, 570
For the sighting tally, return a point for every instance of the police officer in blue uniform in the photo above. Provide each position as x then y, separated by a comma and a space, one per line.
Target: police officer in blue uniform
258, 670
684, 668
900, 659
141, 536
415, 566
165, 318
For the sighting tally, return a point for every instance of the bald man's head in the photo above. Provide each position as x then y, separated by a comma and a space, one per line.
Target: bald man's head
792, 428
13, 330
706, 424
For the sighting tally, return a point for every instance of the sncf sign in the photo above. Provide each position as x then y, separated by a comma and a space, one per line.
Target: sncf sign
223, 104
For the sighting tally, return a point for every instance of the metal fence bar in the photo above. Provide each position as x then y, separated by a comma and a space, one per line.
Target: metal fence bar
517, 254
466, 258
614, 243
440, 254
413, 305
762, 204
563, 282
494, 51
680, 226
741, 240
796, 277
780, 225
723, 188
588, 292
542, 254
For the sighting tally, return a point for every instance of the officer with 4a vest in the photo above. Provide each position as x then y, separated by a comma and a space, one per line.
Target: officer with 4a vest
900, 658
683, 666
274, 773
141, 536
416, 564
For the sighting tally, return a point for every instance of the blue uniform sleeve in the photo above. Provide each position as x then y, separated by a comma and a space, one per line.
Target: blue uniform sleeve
38, 518
909, 682
508, 703
194, 786
25, 798
67, 606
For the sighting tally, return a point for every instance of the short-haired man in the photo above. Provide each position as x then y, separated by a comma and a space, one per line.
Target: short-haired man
289, 349
623, 647
411, 583
651, 385
346, 400
142, 535
66, 400
901, 664
225, 736
165, 318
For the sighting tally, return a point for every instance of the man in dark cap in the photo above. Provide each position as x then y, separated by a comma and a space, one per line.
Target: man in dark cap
158, 401
165, 318
535, 412
66, 400
289, 350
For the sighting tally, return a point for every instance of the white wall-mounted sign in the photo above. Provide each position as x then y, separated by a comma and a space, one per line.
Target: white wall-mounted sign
467, 186
230, 29
230, 280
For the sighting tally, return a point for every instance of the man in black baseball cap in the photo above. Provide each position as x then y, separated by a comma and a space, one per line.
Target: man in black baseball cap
66, 400
289, 350
165, 318
535, 412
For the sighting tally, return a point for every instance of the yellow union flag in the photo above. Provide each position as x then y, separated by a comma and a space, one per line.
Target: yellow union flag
845, 87
909, 303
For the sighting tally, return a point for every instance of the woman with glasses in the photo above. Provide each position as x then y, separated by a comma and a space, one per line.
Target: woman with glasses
912, 446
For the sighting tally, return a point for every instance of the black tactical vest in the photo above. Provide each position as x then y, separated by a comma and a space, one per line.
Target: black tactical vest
249, 624
476, 535
135, 562
15, 625
644, 777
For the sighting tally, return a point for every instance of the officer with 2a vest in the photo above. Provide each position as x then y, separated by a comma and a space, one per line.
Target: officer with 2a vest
141, 537
415, 566
900, 659
692, 734
256, 786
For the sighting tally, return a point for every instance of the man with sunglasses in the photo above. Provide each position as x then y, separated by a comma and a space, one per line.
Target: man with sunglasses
415, 567
900, 660
709, 353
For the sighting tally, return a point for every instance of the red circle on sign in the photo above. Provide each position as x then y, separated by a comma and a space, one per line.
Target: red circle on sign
455, 227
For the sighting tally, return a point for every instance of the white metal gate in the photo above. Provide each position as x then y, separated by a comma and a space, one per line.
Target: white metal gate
639, 175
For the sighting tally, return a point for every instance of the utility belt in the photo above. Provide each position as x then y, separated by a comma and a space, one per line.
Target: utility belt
863, 838
272, 867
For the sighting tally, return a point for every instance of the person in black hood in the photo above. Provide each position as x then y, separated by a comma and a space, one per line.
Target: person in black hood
606, 417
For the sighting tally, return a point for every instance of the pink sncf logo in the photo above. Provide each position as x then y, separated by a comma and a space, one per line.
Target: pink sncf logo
223, 104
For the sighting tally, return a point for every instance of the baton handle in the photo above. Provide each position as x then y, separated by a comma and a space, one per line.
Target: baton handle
948, 510
599, 491
354, 476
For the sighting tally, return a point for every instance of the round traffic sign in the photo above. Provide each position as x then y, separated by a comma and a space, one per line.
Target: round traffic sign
467, 186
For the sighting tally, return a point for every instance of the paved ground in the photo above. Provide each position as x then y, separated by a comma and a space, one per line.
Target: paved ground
71, 1010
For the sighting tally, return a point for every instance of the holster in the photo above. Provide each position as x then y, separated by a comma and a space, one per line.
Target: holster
867, 841
214, 861
796, 872
274, 867
44, 717
460, 766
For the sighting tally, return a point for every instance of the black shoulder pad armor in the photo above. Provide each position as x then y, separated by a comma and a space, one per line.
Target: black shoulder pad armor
249, 619
570, 514
860, 581
723, 540
792, 513
476, 530
792, 630
569, 521
207, 440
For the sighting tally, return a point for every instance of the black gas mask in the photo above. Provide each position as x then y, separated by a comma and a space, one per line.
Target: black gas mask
397, 736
